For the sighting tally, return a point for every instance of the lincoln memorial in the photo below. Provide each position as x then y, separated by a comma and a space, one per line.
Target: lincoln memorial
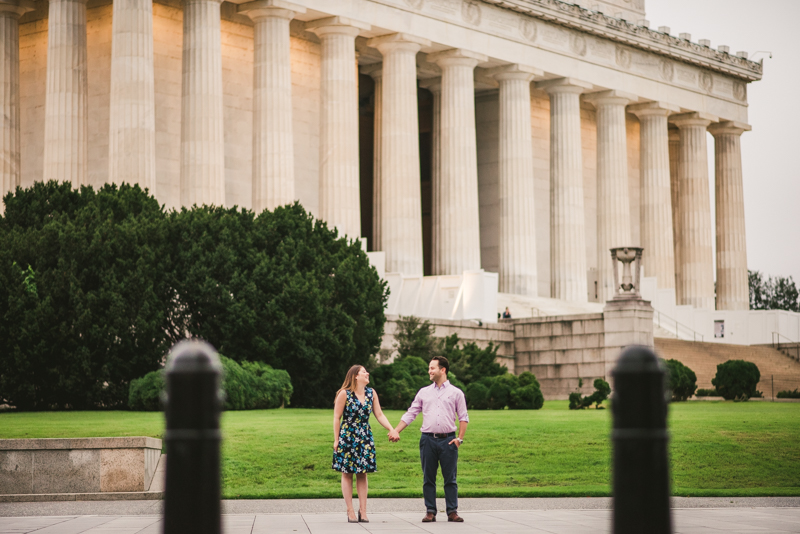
519, 137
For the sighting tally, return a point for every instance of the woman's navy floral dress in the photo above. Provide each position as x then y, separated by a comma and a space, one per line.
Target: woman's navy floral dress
356, 452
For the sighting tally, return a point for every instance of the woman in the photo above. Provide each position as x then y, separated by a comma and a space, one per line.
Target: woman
353, 446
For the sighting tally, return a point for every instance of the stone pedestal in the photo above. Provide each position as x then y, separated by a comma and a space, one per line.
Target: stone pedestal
656, 199
733, 291
273, 142
132, 120
457, 240
401, 197
696, 280
626, 322
567, 225
339, 199
10, 12
202, 127
516, 190
66, 122
613, 201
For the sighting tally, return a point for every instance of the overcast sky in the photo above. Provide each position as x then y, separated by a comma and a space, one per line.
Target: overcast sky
770, 152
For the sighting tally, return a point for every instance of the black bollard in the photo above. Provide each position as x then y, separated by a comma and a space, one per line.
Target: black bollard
641, 468
192, 493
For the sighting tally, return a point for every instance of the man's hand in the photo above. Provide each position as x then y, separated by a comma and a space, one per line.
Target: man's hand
456, 441
394, 436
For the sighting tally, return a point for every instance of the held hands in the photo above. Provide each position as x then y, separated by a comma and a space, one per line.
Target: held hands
394, 436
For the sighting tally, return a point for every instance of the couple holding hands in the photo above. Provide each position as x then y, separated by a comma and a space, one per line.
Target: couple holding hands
354, 448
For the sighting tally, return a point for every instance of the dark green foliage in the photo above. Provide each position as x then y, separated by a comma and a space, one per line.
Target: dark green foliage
528, 396
788, 394
250, 386
601, 392
472, 363
773, 293
86, 301
737, 380
397, 383
707, 393
414, 337
477, 396
283, 289
682, 380
145, 393
505, 391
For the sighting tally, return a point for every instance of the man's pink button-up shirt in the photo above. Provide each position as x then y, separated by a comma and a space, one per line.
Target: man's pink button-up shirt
439, 407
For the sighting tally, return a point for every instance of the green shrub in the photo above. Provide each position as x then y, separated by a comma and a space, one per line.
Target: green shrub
737, 380
601, 392
477, 396
707, 393
682, 380
507, 390
526, 398
144, 394
397, 383
787, 394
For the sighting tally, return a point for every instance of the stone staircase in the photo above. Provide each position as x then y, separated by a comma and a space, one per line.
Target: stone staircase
703, 358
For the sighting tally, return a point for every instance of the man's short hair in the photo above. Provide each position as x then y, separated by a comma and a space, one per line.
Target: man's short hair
443, 363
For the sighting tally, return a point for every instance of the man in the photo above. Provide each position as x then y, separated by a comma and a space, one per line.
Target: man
439, 403
507, 313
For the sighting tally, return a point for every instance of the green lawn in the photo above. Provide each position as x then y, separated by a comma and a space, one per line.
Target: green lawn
717, 448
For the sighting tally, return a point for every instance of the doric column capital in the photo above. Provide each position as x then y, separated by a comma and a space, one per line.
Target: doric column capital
514, 72
337, 25
15, 8
397, 41
653, 109
564, 85
457, 57
729, 128
434, 85
270, 8
693, 118
374, 70
609, 98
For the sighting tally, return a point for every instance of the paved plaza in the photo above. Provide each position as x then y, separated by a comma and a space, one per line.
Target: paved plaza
388, 516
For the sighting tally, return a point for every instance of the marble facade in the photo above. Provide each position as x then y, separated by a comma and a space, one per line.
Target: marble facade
523, 137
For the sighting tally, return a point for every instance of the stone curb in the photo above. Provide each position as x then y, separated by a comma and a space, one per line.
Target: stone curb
107, 496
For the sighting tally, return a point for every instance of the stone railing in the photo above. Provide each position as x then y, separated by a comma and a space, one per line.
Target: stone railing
82, 465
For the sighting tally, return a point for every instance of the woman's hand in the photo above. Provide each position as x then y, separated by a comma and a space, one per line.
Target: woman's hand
336, 444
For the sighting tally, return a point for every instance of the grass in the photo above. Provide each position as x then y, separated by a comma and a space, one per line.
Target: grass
717, 449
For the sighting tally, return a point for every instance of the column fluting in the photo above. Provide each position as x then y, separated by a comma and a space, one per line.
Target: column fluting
656, 218
517, 243
132, 120
733, 291
375, 71
10, 12
273, 140
458, 246
401, 196
202, 127
674, 187
567, 224
66, 138
613, 198
697, 270
339, 197
434, 85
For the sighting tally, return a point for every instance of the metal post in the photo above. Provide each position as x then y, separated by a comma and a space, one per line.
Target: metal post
192, 496
641, 469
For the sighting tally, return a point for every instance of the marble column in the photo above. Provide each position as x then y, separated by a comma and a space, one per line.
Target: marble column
458, 246
733, 290
674, 162
273, 141
339, 200
401, 196
66, 119
568, 269
696, 282
10, 12
434, 85
656, 219
132, 119
202, 127
613, 199
375, 71
517, 240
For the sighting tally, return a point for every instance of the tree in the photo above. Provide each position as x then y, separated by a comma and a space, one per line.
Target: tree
773, 293
414, 337
682, 380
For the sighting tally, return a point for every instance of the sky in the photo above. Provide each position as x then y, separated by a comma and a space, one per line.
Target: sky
771, 151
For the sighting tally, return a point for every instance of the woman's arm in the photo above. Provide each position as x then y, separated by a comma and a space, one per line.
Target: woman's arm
338, 410
376, 409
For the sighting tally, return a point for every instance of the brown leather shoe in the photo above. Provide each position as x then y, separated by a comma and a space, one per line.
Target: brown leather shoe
454, 517
429, 518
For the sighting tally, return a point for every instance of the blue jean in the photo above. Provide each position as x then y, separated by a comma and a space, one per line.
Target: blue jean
434, 452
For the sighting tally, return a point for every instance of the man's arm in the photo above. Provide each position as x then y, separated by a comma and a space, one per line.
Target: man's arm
463, 418
462, 429
407, 418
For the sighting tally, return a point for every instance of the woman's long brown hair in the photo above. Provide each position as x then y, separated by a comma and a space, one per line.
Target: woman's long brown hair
350, 379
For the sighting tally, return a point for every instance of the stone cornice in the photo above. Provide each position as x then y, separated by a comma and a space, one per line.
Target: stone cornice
622, 31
